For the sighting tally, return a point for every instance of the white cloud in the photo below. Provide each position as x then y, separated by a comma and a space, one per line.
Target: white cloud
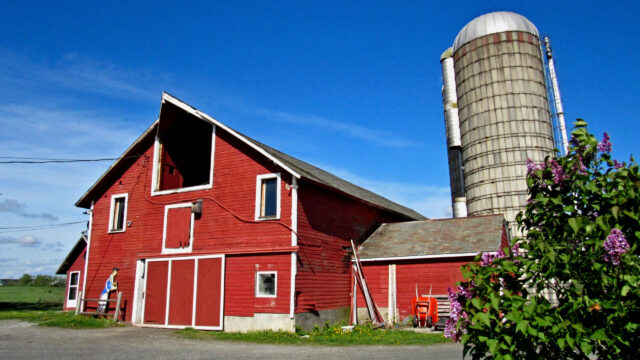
15, 207
24, 241
380, 137
80, 73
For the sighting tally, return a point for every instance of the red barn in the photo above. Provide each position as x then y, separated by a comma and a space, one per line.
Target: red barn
214, 230
427, 255
73, 267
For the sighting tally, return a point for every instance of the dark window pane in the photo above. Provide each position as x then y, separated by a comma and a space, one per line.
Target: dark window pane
74, 279
72, 293
267, 284
269, 197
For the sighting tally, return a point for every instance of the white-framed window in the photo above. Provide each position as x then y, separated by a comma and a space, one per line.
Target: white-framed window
177, 236
268, 196
266, 284
72, 292
118, 213
181, 165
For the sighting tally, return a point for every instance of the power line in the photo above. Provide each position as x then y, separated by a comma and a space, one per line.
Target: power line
37, 227
26, 160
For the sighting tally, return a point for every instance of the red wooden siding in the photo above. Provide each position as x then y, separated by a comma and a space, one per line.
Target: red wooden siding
326, 223
209, 288
181, 293
178, 227
439, 273
78, 265
219, 230
240, 280
156, 293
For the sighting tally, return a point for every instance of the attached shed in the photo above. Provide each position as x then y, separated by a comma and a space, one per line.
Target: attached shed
425, 255
73, 267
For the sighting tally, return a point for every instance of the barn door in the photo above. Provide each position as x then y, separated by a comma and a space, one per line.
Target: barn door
209, 299
184, 292
155, 300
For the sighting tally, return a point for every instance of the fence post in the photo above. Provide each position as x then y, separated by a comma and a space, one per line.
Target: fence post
116, 314
80, 304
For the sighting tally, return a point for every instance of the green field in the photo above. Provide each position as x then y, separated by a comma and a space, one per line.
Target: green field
31, 297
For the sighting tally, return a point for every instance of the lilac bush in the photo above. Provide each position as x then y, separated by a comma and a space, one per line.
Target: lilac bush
582, 224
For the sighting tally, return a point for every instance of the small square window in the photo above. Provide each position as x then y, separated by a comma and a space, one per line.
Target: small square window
118, 215
266, 284
268, 197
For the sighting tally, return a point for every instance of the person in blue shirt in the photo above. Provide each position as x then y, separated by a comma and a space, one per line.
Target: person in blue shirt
109, 286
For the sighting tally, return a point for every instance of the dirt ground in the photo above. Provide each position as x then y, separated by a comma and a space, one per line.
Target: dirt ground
23, 340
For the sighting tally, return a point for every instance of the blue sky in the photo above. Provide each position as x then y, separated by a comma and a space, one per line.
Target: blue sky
352, 87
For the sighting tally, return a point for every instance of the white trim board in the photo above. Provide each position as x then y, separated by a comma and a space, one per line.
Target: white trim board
186, 107
439, 256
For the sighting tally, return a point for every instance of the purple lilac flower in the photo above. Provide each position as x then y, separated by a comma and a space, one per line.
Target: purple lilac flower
487, 258
605, 145
615, 245
456, 314
580, 166
532, 166
557, 170
515, 249
617, 165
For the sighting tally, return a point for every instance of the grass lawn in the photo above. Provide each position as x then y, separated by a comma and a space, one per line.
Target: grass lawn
32, 294
334, 336
57, 319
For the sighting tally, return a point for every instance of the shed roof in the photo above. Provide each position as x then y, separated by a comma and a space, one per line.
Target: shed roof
295, 167
72, 256
434, 238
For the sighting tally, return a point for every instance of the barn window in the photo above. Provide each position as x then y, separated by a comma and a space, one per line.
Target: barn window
118, 213
268, 197
178, 228
266, 283
72, 295
183, 152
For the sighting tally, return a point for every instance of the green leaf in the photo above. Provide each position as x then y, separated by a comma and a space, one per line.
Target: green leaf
600, 335
586, 347
625, 290
477, 303
615, 211
482, 317
561, 343
570, 340
495, 300
575, 226
522, 326
493, 346
578, 326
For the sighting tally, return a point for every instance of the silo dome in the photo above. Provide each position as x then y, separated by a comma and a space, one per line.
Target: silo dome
492, 23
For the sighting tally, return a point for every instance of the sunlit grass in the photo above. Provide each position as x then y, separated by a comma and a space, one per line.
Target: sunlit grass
57, 319
329, 335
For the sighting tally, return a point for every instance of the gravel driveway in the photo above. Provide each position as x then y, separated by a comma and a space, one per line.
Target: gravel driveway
22, 340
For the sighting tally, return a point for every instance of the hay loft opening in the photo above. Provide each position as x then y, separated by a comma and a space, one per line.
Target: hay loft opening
183, 151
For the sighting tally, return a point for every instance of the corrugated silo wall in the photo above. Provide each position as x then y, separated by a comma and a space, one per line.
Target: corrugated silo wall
504, 119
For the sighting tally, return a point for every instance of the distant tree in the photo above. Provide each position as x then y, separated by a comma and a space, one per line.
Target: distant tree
25, 280
582, 223
42, 280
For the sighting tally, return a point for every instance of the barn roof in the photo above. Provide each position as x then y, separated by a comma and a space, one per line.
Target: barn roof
295, 167
435, 238
72, 256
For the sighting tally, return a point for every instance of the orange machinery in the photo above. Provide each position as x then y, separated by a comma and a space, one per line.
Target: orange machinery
425, 311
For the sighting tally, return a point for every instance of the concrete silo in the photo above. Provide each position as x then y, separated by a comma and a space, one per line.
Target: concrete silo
497, 113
